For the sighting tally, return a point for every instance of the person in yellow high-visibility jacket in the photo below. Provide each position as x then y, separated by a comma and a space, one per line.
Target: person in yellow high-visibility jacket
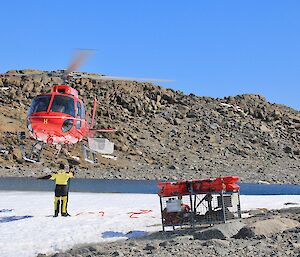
61, 189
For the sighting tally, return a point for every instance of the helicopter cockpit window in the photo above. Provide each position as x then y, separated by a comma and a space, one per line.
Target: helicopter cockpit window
63, 104
40, 104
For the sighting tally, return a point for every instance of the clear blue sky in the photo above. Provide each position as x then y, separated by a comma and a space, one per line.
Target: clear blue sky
211, 48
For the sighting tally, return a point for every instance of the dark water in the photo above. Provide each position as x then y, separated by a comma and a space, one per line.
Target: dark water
131, 186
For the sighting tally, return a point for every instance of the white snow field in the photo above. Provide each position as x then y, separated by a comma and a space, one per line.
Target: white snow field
28, 228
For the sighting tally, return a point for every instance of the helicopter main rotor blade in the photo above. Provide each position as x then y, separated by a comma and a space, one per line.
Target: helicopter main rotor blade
79, 58
22, 75
76, 76
121, 78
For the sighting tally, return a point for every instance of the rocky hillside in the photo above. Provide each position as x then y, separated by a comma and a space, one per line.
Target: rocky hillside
164, 134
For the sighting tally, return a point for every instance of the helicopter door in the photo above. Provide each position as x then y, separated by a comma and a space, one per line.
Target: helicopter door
79, 115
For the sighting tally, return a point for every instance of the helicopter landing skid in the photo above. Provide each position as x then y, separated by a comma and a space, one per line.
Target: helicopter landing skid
35, 151
89, 155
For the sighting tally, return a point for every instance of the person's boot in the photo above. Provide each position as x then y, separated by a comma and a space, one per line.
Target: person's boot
64, 201
56, 206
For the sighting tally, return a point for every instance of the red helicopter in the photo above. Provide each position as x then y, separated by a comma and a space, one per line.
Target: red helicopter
59, 118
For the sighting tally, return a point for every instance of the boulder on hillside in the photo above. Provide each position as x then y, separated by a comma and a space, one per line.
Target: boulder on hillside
267, 227
220, 231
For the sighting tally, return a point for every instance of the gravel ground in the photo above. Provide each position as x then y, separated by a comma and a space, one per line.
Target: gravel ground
272, 233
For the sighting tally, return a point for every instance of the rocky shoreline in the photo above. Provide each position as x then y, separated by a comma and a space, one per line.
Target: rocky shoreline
280, 172
265, 233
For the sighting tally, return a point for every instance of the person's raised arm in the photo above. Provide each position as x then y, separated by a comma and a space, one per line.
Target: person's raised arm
45, 177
